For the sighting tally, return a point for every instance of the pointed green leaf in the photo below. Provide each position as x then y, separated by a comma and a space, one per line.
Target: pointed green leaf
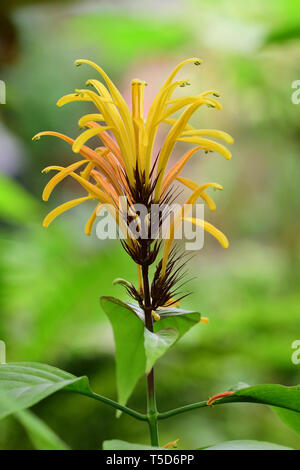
181, 320
128, 330
137, 349
269, 394
116, 444
28, 383
247, 445
156, 344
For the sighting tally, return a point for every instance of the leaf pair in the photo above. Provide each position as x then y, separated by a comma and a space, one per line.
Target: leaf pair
137, 349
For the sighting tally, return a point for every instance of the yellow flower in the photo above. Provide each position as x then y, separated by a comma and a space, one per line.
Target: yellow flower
124, 164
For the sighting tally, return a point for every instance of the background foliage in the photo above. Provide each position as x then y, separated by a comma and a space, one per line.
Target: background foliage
51, 280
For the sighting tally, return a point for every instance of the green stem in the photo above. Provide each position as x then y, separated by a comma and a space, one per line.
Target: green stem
182, 409
151, 400
114, 404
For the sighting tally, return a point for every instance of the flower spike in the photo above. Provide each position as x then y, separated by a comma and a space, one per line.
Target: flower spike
121, 172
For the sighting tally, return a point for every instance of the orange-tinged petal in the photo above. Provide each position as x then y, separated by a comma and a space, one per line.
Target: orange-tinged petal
177, 168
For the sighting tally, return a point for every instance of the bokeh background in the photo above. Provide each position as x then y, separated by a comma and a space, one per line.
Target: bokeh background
51, 280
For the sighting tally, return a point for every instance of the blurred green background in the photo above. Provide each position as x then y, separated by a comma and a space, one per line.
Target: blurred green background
51, 280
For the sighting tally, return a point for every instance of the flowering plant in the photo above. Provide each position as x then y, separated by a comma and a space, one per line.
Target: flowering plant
138, 189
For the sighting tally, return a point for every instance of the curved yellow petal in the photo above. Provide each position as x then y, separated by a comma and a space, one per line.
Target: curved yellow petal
59, 176
113, 119
170, 142
62, 208
90, 222
222, 239
194, 186
208, 145
158, 106
86, 135
118, 98
72, 97
184, 211
177, 168
90, 117
180, 103
209, 133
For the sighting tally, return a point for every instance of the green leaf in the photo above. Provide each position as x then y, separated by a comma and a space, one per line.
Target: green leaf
288, 417
115, 444
42, 437
128, 330
247, 445
269, 394
26, 383
23, 384
181, 320
156, 344
137, 349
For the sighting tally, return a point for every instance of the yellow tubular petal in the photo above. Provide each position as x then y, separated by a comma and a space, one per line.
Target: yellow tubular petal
86, 135
59, 176
137, 97
55, 134
62, 208
90, 117
209, 133
194, 186
177, 168
113, 120
155, 103
182, 102
208, 145
90, 222
72, 97
222, 239
118, 98
112, 110
94, 191
87, 171
158, 105
184, 211
170, 142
